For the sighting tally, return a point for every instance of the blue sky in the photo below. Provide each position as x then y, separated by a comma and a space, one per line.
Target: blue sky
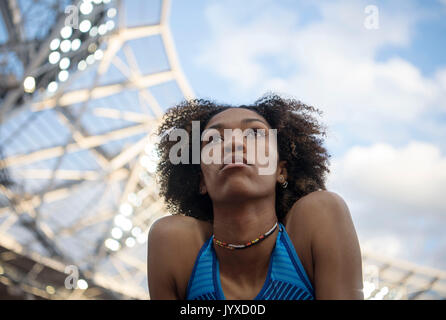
191, 29
382, 92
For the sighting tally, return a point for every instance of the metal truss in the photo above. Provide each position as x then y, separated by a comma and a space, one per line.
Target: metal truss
53, 179
394, 279
28, 275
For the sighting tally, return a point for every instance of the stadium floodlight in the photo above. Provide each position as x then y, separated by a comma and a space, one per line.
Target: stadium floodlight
76, 44
50, 290
130, 242
54, 57
112, 244
99, 54
64, 63
102, 29
52, 87
90, 59
126, 209
136, 231
63, 76
85, 26
110, 24
92, 47
82, 65
66, 32
123, 223
65, 46
54, 44
94, 31
116, 233
111, 13
29, 84
86, 7
82, 284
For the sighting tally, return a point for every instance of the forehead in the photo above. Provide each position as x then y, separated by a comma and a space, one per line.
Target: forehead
234, 116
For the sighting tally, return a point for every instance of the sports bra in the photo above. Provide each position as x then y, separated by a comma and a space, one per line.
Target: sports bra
286, 278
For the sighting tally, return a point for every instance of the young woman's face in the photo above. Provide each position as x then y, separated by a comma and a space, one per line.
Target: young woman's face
225, 182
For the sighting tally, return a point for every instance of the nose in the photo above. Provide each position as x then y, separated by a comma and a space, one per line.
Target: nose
236, 143
234, 148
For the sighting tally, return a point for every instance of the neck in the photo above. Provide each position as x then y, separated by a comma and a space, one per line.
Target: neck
242, 222
239, 223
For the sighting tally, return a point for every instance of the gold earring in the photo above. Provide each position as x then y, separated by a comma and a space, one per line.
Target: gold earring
283, 184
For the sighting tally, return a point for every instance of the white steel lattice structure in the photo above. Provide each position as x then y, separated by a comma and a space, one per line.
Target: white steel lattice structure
77, 162
80, 157
394, 279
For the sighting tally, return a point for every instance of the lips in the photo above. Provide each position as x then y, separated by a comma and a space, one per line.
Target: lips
234, 165
242, 162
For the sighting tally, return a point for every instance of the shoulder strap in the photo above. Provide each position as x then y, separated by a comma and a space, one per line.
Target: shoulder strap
200, 281
293, 256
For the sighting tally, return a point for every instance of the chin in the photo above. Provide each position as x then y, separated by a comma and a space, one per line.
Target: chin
237, 191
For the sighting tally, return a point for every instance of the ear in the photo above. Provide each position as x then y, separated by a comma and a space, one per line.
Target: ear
202, 188
281, 171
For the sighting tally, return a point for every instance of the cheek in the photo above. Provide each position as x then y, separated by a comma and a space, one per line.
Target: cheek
266, 155
266, 179
209, 171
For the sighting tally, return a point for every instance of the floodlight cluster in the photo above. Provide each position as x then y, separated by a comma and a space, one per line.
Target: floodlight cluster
124, 233
75, 47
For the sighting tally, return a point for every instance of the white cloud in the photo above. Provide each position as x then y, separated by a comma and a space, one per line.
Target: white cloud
387, 245
409, 180
235, 48
331, 61
396, 198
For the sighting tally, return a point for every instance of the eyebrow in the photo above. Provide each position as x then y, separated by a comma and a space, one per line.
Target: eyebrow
248, 120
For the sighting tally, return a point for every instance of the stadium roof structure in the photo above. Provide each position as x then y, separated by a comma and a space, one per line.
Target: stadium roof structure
78, 156
83, 85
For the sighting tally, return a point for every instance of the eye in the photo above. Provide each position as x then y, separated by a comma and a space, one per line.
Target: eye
260, 132
215, 139
256, 132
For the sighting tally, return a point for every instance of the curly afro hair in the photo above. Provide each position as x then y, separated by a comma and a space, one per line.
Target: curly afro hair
300, 144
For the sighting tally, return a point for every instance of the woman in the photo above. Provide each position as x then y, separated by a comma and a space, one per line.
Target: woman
238, 234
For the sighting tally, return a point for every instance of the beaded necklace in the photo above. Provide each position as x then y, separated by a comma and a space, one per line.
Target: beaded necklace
231, 246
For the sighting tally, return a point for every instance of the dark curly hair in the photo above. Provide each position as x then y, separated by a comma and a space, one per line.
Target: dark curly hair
299, 144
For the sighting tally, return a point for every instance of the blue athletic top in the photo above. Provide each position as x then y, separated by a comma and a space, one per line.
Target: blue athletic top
286, 278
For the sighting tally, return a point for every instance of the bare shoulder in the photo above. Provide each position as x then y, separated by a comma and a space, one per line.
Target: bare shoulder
315, 212
173, 241
170, 231
318, 207
331, 244
174, 227
319, 214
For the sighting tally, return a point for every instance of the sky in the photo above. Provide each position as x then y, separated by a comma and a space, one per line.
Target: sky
377, 74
